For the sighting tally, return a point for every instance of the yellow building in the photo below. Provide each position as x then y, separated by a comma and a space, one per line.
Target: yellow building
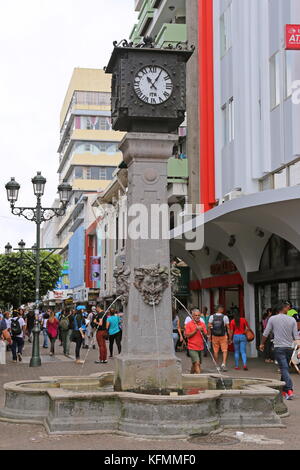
88, 146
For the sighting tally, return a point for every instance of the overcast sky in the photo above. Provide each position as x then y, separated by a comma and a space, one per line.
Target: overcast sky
41, 41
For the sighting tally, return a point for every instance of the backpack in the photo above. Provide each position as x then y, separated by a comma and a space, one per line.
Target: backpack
64, 323
15, 327
218, 328
93, 324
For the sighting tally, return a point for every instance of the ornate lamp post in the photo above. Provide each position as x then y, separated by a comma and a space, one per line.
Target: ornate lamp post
38, 215
8, 249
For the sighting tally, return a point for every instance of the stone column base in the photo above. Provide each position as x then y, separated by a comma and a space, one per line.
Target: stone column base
140, 374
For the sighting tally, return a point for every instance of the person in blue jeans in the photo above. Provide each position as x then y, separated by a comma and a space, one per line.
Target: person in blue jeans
238, 327
114, 331
285, 331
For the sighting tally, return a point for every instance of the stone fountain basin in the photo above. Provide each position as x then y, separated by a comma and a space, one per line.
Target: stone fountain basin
72, 405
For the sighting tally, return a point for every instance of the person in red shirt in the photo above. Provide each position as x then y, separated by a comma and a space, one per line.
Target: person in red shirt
238, 327
194, 332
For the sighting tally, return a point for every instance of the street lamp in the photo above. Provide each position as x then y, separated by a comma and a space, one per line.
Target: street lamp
8, 249
38, 215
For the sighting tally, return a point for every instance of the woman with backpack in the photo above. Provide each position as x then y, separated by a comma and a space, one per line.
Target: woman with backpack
52, 330
238, 327
17, 331
65, 330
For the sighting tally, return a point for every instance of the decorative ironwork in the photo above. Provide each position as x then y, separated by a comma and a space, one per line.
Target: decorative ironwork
148, 43
30, 213
151, 282
122, 274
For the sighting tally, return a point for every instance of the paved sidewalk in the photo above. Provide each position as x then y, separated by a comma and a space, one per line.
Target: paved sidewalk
35, 437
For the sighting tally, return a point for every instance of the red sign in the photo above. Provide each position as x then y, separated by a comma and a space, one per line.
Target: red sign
292, 37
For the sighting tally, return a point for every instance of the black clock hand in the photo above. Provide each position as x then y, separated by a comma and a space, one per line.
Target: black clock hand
152, 84
157, 77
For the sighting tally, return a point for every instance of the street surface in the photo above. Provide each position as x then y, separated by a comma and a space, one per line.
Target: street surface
15, 436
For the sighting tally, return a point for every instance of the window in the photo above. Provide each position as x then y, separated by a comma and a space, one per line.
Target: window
92, 98
225, 30
228, 122
294, 174
231, 120
280, 179
101, 173
288, 73
224, 124
78, 172
275, 80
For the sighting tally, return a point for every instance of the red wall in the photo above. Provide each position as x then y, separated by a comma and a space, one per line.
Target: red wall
206, 104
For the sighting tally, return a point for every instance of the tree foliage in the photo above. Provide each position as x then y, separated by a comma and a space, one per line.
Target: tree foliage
13, 265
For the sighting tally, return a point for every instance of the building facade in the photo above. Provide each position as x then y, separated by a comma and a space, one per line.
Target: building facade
88, 157
242, 146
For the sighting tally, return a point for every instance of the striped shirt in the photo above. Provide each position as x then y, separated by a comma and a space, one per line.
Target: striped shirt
285, 330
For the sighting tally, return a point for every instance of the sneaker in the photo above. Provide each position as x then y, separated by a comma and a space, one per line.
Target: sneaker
98, 362
237, 368
79, 362
223, 368
104, 362
290, 395
20, 357
15, 362
284, 395
246, 368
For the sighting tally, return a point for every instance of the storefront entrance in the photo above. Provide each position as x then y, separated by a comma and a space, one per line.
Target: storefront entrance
277, 280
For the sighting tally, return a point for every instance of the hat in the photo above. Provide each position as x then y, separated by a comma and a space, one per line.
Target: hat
81, 307
94, 308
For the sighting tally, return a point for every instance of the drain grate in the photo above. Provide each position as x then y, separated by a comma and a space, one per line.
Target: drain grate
213, 440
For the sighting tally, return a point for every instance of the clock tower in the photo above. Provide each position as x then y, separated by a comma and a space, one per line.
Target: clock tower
148, 86
148, 101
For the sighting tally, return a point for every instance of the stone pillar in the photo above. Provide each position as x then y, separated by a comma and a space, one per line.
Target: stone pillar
148, 362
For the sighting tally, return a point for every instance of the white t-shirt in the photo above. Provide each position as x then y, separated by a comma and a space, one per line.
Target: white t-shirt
189, 319
225, 318
21, 323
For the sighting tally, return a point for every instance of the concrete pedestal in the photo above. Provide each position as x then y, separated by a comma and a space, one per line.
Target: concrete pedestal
148, 361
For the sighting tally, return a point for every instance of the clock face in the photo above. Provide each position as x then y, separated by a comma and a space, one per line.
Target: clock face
153, 85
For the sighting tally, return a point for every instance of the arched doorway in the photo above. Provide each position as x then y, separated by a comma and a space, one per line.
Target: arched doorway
278, 278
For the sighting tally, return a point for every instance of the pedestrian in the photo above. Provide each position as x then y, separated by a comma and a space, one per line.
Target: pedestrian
194, 332
285, 333
218, 331
269, 345
101, 334
77, 335
4, 330
45, 318
114, 331
176, 329
205, 317
90, 330
52, 330
238, 328
65, 330
17, 328
30, 318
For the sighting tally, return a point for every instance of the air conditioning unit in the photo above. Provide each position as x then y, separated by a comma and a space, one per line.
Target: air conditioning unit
234, 194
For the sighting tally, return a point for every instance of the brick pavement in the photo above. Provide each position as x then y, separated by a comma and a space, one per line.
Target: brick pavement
35, 437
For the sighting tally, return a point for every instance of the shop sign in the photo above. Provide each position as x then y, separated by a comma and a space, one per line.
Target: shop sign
225, 267
292, 37
95, 268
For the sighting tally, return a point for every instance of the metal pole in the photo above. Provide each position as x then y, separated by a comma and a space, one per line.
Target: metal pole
36, 359
21, 279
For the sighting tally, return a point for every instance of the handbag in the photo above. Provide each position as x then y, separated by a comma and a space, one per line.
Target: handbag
249, 335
